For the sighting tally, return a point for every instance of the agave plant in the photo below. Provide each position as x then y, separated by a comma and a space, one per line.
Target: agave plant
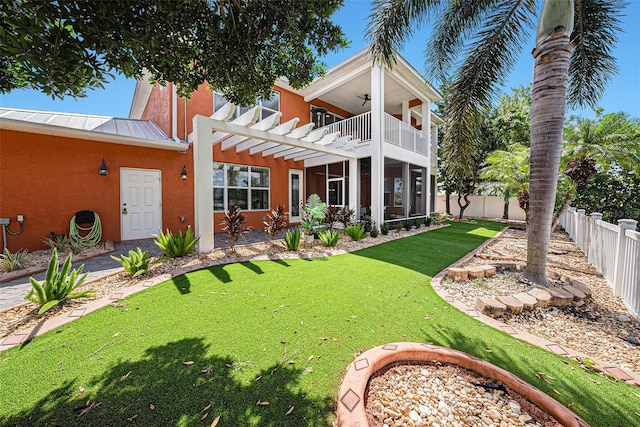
329, 237
14, 261
177, 245
58, 285
292, 238
355, 231
136, 263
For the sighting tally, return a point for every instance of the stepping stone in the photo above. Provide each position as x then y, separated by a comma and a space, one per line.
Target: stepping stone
559, 296
512, 304
490, 306
489, 270
541, 295
475, 272
528, 301
458, 274
584, 288
578, 295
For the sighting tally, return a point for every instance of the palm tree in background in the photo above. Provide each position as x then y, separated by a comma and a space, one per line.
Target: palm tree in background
591, 146
481, 40
508, 173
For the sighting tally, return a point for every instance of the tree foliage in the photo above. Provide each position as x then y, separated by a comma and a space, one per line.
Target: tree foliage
239, 47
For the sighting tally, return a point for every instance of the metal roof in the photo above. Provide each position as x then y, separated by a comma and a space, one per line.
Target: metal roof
130, 128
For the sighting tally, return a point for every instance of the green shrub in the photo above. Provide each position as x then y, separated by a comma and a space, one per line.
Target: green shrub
374, 230
417, 222
178, 245
136, 263
292, 238
15, 261
384, 228
427, 221
439, 218
329, 237
407, 224
276, 222
58, 285
355, 231
233, 225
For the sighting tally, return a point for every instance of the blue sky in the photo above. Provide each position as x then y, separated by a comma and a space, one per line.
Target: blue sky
622, 94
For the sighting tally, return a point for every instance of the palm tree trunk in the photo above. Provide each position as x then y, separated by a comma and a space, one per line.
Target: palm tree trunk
505, 210
550, 76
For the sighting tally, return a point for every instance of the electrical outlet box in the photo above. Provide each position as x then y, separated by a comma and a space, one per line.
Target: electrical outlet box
20, 218
5, 221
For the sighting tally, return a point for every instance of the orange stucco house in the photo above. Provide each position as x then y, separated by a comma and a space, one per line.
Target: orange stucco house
361, 136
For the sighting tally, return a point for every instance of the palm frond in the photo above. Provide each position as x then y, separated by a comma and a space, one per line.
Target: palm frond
392, 22
494, 53
453, 28
592, 61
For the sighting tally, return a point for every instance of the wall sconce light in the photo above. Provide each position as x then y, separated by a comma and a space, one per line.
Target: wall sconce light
103, 169
183, 175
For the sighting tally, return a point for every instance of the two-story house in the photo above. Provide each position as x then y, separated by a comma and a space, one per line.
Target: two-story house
362, 137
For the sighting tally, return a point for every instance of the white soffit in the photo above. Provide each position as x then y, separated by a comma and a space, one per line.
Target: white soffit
268, 138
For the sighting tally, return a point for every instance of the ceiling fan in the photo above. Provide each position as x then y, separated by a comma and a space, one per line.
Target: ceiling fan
365, 98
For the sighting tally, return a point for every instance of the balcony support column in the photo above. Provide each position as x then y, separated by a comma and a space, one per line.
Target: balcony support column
377, 144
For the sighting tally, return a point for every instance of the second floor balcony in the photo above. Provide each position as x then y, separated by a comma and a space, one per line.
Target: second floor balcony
395, 132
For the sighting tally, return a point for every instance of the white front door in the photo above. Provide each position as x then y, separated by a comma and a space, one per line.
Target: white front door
140, 203
295, 194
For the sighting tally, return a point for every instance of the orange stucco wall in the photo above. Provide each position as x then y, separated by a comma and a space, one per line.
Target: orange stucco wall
158, 107
201, 102
48, 179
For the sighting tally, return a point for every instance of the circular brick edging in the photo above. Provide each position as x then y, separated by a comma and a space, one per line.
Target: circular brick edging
351, 410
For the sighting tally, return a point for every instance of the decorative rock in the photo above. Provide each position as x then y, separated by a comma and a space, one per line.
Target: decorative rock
566, 279
623, 318
528, 301
541, 295
553, 275
475, 272
578, 295
458, 274
559, 296
584, 288
491, 306
512, 304
508, 266
634, 340
489, 270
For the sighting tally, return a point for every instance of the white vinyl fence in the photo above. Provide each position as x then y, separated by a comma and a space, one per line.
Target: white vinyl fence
613, 249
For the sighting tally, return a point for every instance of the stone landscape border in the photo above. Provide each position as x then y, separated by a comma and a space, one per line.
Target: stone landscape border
29, 271
351, 411
626, 375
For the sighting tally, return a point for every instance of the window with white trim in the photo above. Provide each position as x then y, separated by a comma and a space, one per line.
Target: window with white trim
269, 106
244, 186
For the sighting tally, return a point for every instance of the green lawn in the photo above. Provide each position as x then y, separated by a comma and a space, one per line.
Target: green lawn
281, 332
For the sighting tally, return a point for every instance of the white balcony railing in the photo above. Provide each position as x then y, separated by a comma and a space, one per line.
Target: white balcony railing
358, 127
404, 135
396, 132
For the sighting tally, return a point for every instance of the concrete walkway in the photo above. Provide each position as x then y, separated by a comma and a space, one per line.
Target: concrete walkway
13, 292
